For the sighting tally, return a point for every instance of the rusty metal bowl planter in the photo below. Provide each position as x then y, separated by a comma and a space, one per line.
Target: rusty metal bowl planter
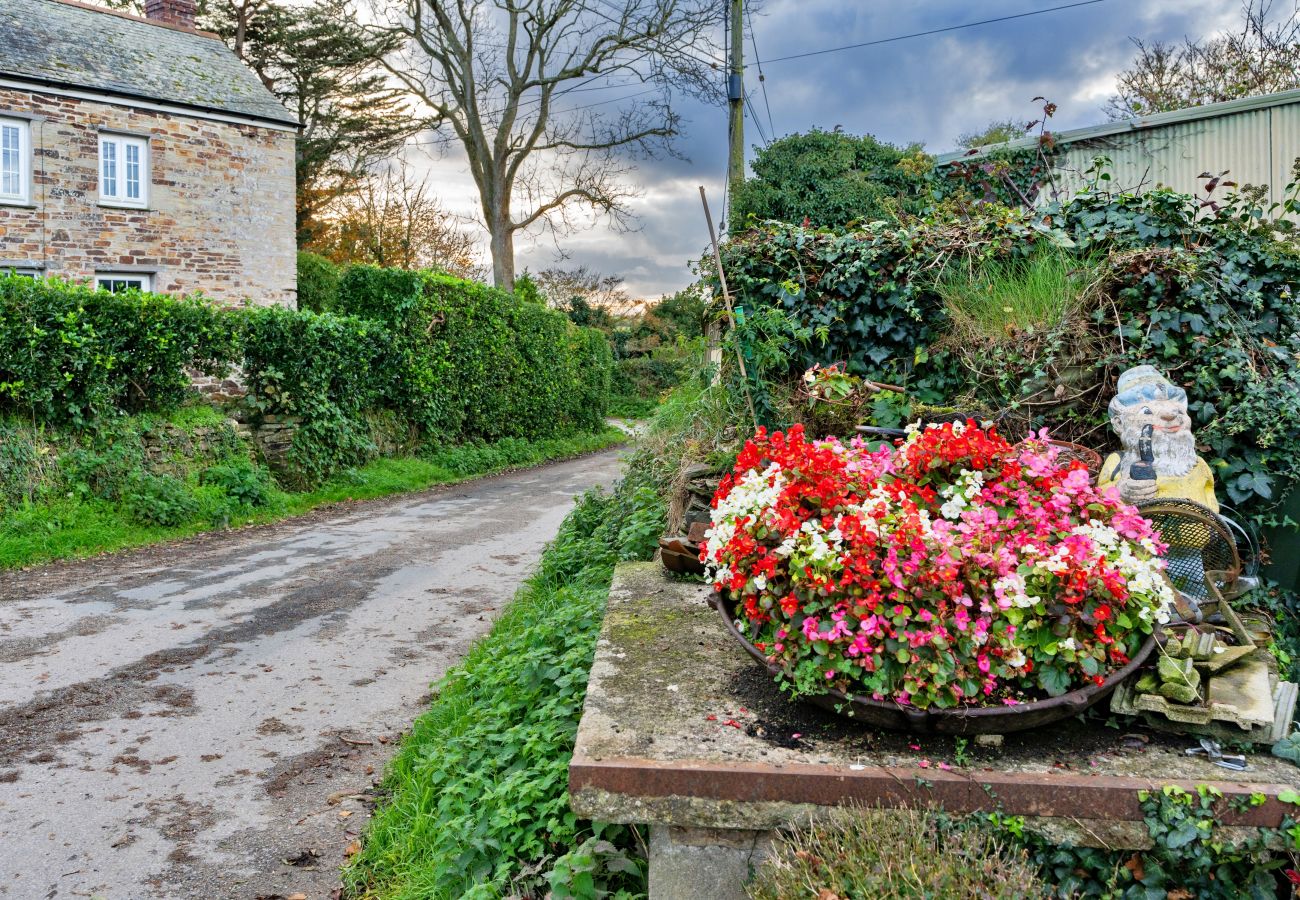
958, 720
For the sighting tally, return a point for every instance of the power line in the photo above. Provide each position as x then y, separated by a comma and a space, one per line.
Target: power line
758, 123
916, 34
450, 138
762, 79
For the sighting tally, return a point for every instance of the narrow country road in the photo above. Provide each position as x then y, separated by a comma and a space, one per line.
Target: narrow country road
206, 719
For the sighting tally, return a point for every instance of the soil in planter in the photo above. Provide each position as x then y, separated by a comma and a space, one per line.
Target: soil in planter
782, 722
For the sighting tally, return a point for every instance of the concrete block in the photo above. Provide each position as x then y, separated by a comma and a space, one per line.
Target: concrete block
700, 863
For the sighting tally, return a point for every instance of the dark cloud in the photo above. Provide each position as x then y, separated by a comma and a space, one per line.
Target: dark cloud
925, 90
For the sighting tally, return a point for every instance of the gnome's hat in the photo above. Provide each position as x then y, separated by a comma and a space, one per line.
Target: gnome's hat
1143, 383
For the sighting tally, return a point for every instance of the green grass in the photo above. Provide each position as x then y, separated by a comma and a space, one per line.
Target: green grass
1003, 299
71, 527
621, 407
477, 801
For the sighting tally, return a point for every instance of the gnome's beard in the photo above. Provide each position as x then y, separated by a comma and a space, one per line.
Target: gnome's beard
1175, 454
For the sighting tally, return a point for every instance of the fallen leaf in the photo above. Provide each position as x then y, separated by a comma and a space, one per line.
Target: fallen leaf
344, 813
352, 849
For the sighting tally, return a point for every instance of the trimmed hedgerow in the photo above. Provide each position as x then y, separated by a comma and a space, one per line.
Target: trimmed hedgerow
324, 371
479, 363
451, 360
71, 355
318, 282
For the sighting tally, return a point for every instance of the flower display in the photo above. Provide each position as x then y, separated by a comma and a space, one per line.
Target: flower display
954, 569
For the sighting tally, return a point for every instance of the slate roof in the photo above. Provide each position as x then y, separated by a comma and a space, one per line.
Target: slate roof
61, 44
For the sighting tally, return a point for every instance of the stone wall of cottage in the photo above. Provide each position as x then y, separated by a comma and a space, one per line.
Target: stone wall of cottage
221, 202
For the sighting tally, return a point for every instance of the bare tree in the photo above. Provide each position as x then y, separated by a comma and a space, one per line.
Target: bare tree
393, 219
1261, 57
524, 85
559, 286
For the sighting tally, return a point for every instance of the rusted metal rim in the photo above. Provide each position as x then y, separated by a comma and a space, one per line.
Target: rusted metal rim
960, 720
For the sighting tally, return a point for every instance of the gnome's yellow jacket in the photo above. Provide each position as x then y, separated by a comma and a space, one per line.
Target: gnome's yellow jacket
1197, 485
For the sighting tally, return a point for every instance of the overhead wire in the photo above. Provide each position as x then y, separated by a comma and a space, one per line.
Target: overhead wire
916, 34
762, 78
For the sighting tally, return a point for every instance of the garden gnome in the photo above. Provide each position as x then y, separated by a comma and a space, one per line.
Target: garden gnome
1158, 452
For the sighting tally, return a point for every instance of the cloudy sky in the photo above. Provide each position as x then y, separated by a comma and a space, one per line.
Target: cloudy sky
925, 89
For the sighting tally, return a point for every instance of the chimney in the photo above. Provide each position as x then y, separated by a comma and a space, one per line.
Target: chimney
170, 12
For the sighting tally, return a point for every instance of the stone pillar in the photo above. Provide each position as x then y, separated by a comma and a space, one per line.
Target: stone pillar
700, 863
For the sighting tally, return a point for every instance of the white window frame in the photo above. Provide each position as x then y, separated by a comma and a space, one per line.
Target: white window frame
144, 278
23, 196
114, 169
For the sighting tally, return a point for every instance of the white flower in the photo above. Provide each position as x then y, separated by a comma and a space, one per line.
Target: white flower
1067, 644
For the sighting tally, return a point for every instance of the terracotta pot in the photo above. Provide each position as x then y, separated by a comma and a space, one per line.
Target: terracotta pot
960, 720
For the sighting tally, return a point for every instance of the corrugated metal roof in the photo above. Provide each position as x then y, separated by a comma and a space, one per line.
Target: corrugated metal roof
1157, 121
63, 44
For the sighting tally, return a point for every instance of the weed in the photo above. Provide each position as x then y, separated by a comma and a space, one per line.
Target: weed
896, 854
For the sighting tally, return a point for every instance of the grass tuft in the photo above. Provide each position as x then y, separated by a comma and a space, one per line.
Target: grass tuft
1004, 299
896, 854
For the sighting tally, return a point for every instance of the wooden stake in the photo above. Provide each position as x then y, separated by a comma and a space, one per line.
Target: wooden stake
726, 299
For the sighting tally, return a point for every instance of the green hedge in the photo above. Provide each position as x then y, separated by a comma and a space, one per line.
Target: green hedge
325, 371
318, 282
70, 355
487, 364
451, 360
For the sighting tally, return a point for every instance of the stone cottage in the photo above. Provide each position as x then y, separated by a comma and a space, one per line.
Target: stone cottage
140, 152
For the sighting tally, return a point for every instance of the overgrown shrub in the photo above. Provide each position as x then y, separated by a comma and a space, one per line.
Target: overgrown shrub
72, 355
1204, 294
162, 500
318, 282
896, 854
241, 481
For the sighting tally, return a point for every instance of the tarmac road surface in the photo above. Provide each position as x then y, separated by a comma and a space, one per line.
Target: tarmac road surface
207, 719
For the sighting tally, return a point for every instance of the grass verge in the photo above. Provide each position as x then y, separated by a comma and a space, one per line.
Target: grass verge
77, 525
477, 796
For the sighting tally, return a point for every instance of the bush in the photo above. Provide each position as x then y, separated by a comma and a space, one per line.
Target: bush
1202, 293
162, 500
477, 363
896, 854
244, 483
318, 282
830, 179
71, 355
450, 359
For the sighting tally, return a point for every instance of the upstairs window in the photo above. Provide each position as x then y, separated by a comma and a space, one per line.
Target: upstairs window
116, 282
123, 170
15, 161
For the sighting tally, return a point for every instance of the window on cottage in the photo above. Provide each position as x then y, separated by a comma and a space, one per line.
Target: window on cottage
123, 170
116, 282
15, 160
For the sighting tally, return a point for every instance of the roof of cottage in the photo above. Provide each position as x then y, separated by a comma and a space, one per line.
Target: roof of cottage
63, 44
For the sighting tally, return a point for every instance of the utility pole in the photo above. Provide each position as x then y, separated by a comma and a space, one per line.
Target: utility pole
735, 102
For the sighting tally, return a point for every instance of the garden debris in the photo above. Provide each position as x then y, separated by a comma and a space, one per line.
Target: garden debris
1211, 750
306, 857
